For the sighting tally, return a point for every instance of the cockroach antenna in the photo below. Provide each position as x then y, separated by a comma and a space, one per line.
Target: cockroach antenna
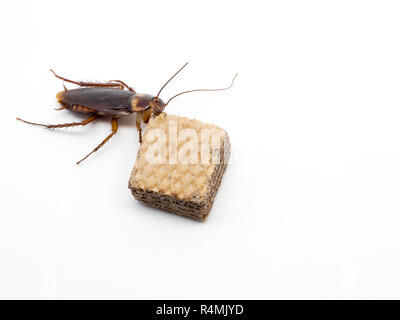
195, 90
159, 92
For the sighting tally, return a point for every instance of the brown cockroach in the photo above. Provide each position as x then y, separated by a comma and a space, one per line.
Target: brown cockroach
111, 98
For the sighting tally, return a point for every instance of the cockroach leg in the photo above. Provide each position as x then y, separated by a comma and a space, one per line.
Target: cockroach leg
60, 108
124, 85
86, 84
147, 115
138, 127
62, 125
114, 128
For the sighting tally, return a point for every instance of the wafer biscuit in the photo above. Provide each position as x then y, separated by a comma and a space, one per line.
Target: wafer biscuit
180, 165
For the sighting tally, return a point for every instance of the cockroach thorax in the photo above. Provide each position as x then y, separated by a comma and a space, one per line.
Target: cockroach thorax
141, 102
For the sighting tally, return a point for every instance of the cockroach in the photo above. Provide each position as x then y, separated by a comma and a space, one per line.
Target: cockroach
114, 98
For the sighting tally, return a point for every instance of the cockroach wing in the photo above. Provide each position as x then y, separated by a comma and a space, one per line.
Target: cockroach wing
101, 100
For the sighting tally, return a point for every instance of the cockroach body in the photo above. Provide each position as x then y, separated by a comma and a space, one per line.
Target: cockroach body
111, 101
113, 98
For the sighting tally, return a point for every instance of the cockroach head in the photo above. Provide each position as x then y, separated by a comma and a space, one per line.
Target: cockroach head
157, 105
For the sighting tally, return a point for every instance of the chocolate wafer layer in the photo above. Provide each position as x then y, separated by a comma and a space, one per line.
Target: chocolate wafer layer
180, 165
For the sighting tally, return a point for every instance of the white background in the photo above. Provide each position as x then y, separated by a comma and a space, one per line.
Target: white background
309, 207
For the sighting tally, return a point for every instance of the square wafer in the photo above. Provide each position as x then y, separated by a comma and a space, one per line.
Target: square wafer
180, 165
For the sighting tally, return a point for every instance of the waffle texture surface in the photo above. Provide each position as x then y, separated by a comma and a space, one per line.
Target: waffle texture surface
180, 165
